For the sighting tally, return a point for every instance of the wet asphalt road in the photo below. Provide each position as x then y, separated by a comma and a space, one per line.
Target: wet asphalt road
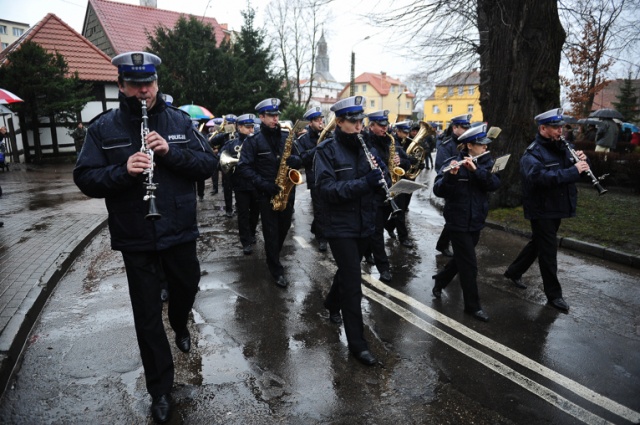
263, 355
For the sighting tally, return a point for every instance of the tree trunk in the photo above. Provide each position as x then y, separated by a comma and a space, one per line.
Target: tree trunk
520, 47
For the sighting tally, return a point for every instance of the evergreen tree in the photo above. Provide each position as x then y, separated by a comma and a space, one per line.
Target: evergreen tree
257, 79
627, 103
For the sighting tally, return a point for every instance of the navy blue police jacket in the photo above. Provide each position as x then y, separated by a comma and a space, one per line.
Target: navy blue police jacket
238, 182
306, 148
348, 203
447, 150
260, 160
466, 194
101, 172
548, 180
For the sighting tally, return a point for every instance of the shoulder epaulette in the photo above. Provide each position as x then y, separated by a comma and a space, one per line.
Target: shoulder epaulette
531, 146
99, 115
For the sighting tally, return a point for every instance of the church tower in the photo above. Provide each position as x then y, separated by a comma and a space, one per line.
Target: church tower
322, 58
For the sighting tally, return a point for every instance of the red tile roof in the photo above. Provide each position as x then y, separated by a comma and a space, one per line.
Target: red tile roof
126, 25
54, 35
380, 82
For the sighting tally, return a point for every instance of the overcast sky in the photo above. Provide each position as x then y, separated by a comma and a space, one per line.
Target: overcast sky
372, 55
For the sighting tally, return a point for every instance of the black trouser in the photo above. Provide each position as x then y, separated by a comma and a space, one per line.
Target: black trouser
398, 221
317, 211
346, 290
443, 240
465, 263
376, 246
275, 226
429, 159
227, 189
182, 271
544, 247
200, 188
248, 215
214, 180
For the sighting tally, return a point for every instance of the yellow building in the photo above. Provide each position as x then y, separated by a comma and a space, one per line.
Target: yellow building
457, 95
10, 31
382, 92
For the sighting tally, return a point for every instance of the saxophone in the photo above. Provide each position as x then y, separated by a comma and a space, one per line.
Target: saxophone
396, 172
287, 177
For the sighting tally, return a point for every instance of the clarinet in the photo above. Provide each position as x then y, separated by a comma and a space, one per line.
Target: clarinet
389, 198
594, 180
150, 186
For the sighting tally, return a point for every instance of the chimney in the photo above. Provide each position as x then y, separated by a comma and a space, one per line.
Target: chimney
149, 3
383, 74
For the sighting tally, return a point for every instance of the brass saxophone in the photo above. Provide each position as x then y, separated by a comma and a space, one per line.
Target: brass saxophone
417, 150
396, 172
287, 177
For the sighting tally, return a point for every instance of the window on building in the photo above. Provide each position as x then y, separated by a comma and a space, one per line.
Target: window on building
373, 103
450, 91
460, 90
471, 90
3, 29
393, 89
408, 105
470, 109
436, 110
4, 46
355, 88
18, 32
449, 108
364, 88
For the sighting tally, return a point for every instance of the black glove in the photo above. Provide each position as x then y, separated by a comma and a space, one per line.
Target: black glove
294, 161
273, 189
373, 179
421, 166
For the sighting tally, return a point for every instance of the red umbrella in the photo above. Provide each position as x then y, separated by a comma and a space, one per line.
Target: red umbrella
7, 97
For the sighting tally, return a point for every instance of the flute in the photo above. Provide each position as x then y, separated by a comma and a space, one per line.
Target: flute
394, 207
473, 158
594, 180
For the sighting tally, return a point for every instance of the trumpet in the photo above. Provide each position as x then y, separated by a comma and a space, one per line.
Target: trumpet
594, 180
149, 184
389, 197
473, 158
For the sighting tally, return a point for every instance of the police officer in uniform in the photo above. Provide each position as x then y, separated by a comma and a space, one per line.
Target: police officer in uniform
306, 149
402, 129
447, 151
465, 189
348, 189
259, 162
549, 174
217, 142
246, 194
111, 166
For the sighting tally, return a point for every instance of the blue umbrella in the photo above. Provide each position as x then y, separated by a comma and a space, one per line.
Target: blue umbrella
634, 128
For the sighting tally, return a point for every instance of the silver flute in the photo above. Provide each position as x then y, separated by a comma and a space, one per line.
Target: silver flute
150, 186
473, 158
383, 183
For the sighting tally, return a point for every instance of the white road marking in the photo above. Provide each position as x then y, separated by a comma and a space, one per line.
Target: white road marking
301, 241
575, 387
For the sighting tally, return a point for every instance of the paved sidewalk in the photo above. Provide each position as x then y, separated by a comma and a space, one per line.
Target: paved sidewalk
47, 222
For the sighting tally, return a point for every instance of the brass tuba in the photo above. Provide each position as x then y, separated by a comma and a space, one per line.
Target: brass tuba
287, 177
416, 149
228, 162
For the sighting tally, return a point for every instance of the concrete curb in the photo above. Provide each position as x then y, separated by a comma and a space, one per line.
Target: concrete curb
14, 337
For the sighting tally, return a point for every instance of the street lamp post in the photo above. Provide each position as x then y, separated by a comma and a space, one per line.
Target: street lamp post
353, 66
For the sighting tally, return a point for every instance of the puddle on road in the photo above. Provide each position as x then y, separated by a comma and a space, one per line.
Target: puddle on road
45, 200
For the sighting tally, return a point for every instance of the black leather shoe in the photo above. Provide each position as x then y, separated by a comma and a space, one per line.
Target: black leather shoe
369, 259
183, 340
229, 214
437, 289
446, 252
214, 192
560, 304
480, 315
247, 250
406, 242
281, 281
322, 246
385, 276
391, 233
164, 295
334, 315
517, 281
366, 357
161, 407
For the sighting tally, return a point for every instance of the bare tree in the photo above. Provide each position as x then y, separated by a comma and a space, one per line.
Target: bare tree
297, 29
421, 85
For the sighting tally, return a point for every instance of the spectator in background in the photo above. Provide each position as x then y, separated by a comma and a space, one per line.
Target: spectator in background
590, 134
78, 136
607, 136
568, 133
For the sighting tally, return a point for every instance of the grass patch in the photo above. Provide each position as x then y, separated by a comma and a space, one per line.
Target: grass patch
610, 220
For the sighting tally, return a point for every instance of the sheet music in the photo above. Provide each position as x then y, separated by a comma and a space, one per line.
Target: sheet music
500, 163
406, 186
